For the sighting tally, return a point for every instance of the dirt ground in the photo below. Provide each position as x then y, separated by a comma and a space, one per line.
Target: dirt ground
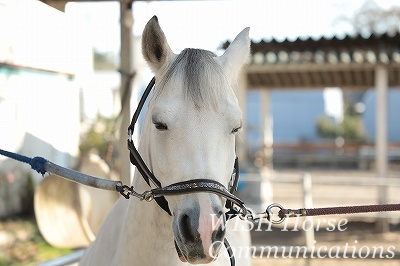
359, 237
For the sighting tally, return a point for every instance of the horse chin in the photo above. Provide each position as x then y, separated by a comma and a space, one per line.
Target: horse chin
199, 259
179, 252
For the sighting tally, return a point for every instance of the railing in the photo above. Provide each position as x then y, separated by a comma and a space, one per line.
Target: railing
66, 260
327, 180
306, 182
356, 155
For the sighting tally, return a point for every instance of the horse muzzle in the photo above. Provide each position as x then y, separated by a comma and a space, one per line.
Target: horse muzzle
198, 236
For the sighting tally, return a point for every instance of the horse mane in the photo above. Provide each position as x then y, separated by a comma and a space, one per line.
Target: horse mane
204, 81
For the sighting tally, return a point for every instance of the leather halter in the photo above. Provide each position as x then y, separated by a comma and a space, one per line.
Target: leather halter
190, 186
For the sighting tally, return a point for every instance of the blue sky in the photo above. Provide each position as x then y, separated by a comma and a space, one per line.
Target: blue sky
206, 24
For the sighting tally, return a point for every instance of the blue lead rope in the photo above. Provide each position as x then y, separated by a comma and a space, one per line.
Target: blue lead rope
37, 163
43, 166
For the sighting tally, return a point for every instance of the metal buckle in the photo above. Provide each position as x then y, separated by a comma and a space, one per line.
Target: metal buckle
271, 214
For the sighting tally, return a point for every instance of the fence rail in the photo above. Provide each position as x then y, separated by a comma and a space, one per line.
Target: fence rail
326, 180
306, 182
310, 184
66, 260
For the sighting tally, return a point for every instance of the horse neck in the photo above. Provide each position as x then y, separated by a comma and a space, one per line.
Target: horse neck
150, 225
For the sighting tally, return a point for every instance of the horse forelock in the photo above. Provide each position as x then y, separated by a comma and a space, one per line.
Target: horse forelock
203, 79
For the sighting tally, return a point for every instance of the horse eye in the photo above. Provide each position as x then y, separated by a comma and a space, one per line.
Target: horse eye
235, 130
160, 126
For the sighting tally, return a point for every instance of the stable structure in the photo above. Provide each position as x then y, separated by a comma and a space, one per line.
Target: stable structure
349, 62
126, 69
41, 64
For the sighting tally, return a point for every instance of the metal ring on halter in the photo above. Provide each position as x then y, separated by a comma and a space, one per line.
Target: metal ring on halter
270, 213
147, 196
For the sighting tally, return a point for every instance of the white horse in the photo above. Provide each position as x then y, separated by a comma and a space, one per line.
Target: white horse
188, 133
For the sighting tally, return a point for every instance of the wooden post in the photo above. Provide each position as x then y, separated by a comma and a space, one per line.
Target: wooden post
381, 142
266, 193
241, 94
308, 203
126, 68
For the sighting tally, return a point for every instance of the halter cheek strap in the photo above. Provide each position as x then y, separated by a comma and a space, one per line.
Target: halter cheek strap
147, 175
233, 184
135, 157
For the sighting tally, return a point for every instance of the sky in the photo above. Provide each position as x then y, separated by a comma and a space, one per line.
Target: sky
207, 24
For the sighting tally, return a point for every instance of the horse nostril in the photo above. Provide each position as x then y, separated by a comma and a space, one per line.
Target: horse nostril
186, 228
219, 234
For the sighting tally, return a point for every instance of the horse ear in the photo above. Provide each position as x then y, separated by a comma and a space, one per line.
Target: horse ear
236, 55
155, 48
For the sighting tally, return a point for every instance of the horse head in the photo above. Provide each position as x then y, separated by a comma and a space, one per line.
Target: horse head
191, 123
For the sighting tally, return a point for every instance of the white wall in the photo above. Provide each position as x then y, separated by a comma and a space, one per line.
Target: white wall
43, 59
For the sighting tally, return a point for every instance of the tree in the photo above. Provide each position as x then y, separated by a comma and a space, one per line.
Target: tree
350, 128
373, 19
104, 61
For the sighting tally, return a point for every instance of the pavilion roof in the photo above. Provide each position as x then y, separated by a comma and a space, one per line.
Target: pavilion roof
347, 61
